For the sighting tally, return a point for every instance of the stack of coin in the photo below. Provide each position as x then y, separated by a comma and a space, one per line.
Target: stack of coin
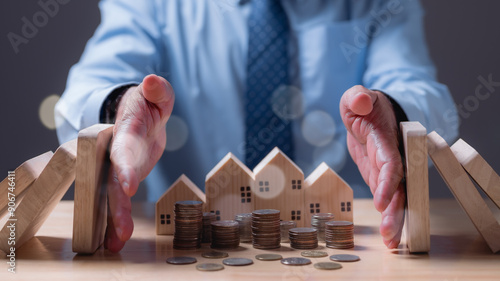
188, 225
225, 234
245, 221
206, 235
303, 238
266, 229
339, 234
318, 222
285, 227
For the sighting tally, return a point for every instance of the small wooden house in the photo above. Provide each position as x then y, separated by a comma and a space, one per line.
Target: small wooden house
228, 187
182, 189
327, 192
279, 184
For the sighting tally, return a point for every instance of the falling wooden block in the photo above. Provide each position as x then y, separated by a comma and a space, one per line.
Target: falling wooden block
182, 189
484, 175
464, 190
279, 185
228, 187
327, 192
24, 176
42, 196
90, 209
417, 187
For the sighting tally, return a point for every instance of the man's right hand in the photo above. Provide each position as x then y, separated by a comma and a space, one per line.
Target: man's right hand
139, 139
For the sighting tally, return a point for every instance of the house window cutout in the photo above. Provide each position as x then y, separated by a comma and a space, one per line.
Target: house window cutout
314, 208
348, 206
246, 197
342, 206
165, 219
263, 186
217, 214
296, 184
296, 215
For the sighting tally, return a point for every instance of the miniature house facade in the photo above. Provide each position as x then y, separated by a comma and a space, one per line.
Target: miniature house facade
327, 192
275, 183
228, 188
279, 184
182, 189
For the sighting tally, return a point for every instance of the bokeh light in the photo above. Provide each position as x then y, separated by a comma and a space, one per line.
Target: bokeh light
46, 111
334, 154
276, 182
287, 102
318, 128
177, 133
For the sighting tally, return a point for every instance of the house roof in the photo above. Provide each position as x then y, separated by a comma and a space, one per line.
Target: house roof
184, 179
276, 152
322, 170
228, 158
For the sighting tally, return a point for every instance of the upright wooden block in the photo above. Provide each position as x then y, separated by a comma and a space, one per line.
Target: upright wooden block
327, 192
464, 190
228, 188
90, 209
24, 176
42, 196
182, 189
417, 187
279, 185
478, 169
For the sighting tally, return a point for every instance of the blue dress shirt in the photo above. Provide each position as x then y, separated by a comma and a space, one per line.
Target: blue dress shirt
200, 47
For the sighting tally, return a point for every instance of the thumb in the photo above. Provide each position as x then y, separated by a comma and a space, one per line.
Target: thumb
358, 100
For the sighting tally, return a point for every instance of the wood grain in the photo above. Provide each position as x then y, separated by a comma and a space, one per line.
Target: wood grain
25, 175
417, 186
279, 184
484, 175
228, 187
92, 165
327, 192
43, 195
464, 190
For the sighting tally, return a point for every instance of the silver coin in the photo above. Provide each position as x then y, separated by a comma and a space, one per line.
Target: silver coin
268, 257
237, 261
314, 254
344, 258
209, 267
214, 255
328, 265
296, 261
181, 260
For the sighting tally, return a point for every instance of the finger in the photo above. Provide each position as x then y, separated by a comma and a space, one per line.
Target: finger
112, 242
157, 90
358, 100
393, 219
120, 210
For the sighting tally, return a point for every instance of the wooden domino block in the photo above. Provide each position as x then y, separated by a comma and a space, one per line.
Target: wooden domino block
42, 196
90, 209
478, 169
417, 187
464, 190
25, 175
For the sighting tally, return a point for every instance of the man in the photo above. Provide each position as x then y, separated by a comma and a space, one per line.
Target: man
229, 61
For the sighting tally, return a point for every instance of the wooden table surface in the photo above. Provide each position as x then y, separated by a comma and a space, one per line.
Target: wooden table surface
457, 253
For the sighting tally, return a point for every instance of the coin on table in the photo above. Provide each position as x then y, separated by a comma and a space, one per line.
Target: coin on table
237, 261
181, 260
268, 257
214, 255
328, 265
209, 267
344, 258
314, 254
296, 261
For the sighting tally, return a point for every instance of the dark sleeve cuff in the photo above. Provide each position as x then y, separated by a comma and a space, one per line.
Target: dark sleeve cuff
109, 107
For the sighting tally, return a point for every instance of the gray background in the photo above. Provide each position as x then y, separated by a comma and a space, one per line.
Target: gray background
463, 38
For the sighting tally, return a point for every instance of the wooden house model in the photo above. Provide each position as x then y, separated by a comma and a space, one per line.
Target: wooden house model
182, 189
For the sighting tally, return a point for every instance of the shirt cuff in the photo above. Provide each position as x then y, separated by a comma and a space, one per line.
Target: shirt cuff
92, 108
